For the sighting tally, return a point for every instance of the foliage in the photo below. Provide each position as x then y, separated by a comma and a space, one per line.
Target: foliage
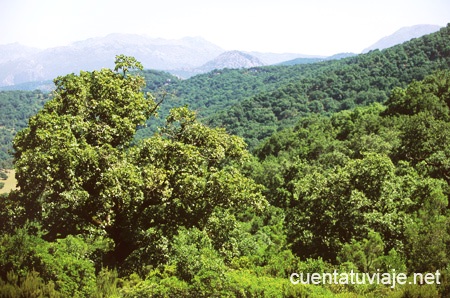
62, 267
16, 107
79, 174
29, 286
3, 176
71, 142
256, 102
189, 212
361, 187
332, 86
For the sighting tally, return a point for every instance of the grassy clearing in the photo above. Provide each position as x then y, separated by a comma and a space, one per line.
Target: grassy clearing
10, 183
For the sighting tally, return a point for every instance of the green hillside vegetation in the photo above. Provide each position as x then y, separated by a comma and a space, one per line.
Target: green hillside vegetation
256, 102
349, 171
381, 169
218, 90
189, 212
302, 61
332, 86
16, 107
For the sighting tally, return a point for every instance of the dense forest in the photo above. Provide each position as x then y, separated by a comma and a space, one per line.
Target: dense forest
336, 85
16, 107
254, 103
337, 166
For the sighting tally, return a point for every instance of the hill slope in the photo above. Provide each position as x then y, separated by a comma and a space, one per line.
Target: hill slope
255, 102
16, 107
402, 35
335, 85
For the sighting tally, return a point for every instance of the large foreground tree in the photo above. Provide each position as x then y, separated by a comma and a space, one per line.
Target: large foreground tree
78, 173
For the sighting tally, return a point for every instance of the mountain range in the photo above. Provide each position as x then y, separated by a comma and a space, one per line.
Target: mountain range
402, 35
183, 57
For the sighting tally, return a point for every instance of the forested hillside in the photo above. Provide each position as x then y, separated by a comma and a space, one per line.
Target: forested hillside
220, 89
349, 172
334, 86
16, 107
378, 168
254, 103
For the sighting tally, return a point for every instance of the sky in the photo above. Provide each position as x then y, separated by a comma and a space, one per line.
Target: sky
314, 27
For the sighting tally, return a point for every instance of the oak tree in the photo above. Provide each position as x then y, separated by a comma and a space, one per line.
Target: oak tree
79, 173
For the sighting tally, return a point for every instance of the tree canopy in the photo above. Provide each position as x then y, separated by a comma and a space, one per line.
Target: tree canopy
187, 211
77, 172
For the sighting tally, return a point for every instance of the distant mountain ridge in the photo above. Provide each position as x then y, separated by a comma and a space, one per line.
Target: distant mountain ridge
402, 35
232, 59
183, 57
229, 59
15, 51
96, 53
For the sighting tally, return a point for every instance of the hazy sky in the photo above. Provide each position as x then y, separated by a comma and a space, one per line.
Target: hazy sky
319, 27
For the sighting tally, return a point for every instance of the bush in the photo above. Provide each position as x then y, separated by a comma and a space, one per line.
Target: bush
3, 175
31, 286
63, 264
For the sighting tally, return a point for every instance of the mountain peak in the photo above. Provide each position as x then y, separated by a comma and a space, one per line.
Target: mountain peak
12, 51
402, 35
232, 59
